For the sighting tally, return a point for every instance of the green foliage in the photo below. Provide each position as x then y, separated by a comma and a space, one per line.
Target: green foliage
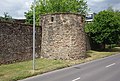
105, 29
6, 17
55, 6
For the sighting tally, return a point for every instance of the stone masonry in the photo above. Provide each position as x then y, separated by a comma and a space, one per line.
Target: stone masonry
16, 42
63, 36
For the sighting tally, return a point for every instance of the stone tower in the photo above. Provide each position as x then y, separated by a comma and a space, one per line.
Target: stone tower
63, 36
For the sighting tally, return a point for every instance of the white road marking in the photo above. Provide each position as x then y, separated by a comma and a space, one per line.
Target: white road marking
110, 65
76, 79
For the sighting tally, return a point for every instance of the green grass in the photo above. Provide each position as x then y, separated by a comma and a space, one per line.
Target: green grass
16, 71
21, 70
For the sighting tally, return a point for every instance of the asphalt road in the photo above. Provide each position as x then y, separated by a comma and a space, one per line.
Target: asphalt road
105, 69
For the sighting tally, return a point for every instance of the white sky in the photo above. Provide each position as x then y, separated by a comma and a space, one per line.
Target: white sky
16, 8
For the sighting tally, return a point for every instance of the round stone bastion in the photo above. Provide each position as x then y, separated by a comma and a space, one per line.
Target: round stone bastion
63, 36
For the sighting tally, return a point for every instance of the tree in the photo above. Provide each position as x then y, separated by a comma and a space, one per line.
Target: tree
105, 29
55, 6
6, 17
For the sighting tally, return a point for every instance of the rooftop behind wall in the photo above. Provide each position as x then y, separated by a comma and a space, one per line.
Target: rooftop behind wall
63, 36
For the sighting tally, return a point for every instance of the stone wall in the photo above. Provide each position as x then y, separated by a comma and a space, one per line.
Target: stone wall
88, 42
63, 36
16, 42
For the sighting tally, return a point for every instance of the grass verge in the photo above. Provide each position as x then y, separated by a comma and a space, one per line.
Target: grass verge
21, 70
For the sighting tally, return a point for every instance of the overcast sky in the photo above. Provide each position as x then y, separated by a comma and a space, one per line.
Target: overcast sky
16, 8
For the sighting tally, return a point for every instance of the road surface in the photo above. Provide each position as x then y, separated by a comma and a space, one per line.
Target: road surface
105, 69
